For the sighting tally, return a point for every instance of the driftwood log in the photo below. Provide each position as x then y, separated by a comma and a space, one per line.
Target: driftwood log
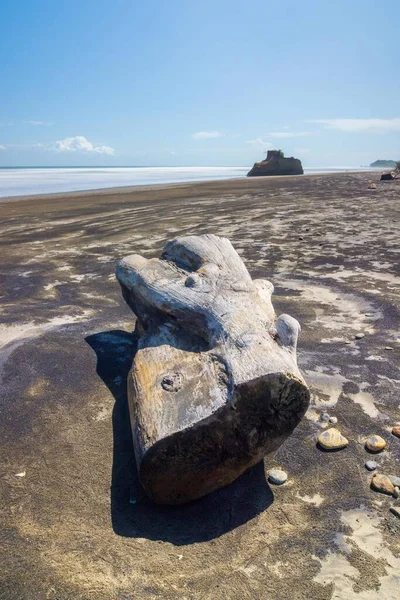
214, 385
388, 176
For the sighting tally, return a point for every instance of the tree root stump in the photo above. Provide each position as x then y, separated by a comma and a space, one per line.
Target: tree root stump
214, 385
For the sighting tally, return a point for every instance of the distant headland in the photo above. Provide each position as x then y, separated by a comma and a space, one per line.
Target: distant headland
384, 164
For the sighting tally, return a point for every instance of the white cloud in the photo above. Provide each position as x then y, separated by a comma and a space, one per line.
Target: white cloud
207, 135
80, 144
260, 142
361, 125
44, 123
2, 147
287, 134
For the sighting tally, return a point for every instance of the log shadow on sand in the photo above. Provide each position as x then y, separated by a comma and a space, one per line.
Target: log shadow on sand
133, 514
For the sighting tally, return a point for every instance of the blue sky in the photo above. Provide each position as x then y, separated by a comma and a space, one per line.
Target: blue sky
185, 82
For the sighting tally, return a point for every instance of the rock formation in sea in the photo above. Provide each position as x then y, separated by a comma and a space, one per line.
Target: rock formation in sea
276, 164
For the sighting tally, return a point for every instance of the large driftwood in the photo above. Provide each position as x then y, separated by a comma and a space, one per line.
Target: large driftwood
214, 386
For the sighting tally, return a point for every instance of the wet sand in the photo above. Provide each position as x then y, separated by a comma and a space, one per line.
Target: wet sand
76, 524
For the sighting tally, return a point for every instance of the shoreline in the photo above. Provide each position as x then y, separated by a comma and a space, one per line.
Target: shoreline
128, 189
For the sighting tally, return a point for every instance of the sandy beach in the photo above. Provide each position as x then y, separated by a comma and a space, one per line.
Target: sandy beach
75, 522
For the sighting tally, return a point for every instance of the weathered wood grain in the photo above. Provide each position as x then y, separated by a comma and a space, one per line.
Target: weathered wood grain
214, 385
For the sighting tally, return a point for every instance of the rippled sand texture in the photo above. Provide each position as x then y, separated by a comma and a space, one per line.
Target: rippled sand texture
76, 525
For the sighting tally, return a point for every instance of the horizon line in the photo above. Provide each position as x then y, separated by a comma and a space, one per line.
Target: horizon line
172, 166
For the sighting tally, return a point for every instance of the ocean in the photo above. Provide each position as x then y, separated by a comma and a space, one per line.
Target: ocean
21, 181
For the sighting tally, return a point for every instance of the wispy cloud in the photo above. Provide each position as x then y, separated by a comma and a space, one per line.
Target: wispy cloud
260, 142
361, 125
81, 144
207, 135
28, 146
302, 150
2, 147
40, 123
287, 134
37, 123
